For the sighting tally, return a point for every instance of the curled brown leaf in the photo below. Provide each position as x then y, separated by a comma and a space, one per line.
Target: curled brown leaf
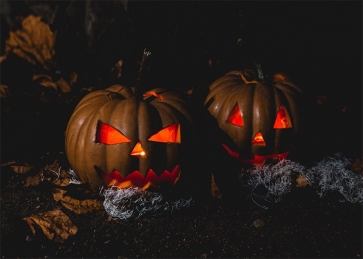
55, 225
34, 42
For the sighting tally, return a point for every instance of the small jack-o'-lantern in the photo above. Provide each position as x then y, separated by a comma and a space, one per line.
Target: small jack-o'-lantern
115, 138
258, 119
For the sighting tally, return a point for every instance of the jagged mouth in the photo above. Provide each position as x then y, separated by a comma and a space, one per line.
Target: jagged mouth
136, 179
256, 160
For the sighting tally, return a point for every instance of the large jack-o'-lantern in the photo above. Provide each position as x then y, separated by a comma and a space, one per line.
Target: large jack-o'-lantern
113, 138
259, 120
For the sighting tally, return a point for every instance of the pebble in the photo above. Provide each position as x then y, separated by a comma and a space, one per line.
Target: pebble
258, 223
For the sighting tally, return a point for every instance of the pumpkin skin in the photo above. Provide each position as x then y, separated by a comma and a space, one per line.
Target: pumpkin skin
258, 120
112, 138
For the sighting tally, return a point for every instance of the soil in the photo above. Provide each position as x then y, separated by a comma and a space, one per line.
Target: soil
301, 225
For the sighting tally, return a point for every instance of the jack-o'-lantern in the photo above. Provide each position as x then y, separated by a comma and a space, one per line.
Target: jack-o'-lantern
258, 119
113, 138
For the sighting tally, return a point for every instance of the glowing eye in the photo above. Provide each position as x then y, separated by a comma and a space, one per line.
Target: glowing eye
282, 119
109, 135
235, 117
258, 139
169, 134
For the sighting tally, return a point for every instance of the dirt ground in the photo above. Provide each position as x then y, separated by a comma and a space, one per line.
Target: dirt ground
302, 225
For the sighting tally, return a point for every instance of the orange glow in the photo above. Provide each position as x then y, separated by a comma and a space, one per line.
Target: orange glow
169, 134
232, 153
136, 179
282, 119
258, 139
138, 151
153, 93
109, 135
260, 160
235, 117
279, 77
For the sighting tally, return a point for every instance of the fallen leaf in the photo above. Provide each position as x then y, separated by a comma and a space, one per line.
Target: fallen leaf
11, 162
75, 205
301, 181
21, 169
60, 84
117, 68
34, 42
4, 91
216, 193
55, 225
2, 58
33, 180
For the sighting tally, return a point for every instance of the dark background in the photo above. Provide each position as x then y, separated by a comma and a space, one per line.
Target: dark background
319, 44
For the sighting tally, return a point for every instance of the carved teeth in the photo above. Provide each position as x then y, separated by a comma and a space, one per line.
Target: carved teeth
136, 179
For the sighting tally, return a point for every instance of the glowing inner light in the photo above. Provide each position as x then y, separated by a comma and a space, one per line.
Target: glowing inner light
235, 117
282, 119
138, 151
107, 134
169, 134
258, 139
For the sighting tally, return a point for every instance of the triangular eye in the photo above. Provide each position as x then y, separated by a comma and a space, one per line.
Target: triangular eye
235, 117
169, 134
107, 134
282, 119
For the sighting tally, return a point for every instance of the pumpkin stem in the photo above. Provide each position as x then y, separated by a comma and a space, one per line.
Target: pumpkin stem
259, 70
243, 46
138, 88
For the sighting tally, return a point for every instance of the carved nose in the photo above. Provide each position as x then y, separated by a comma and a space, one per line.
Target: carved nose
258, 139
138, 151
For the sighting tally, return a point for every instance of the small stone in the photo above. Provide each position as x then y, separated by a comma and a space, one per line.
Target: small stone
258, 223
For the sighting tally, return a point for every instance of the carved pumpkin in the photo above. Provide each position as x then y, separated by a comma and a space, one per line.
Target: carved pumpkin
259, 120
115, 138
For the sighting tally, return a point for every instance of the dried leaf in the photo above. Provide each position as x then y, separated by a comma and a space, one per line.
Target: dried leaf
64, 178
216, 193
2, 58
33, 180
75, 205
117, 68
55, 225
55, 168
11, 162
61, 83
301, 181
4, 91
21, 169
34, 42
45, 80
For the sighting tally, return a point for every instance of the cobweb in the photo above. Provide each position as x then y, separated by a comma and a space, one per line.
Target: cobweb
269, 183
334, 174
134, 202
